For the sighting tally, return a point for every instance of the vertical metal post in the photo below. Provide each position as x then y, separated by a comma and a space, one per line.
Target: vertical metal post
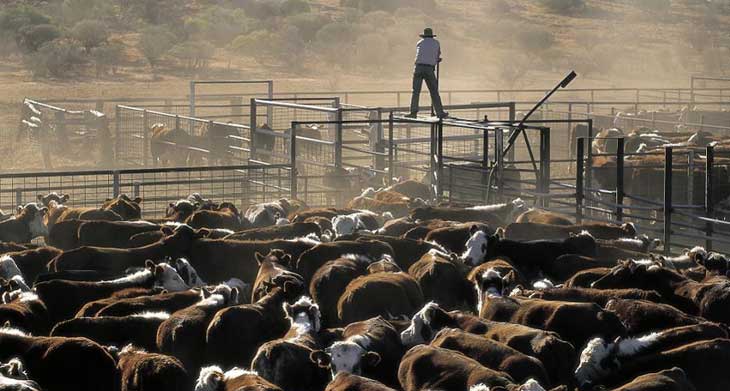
269, 108
338, 134
293, 160
499, 159
391, 168
579, 181
145, 138
545, 166
177, 122
253, 124
589, 159
709, 188
115, 183
212, 150
667, 199
690, 176
192, 98
135, 189
440, 158
512, 115
620, 179
19, 197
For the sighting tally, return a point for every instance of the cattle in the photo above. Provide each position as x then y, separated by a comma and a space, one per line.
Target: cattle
529, 257
138, 329
110, 233
397, 226
534, 231
454, 238
26, 311
64, 234
442, 278
168, 145
59, 198
330, 281
127, 208
406, 251
26, 225
235, 333
265, 214
13, 377
165, 302
344, 381
226, 217
541, 216
309, 261
396, 208
285, 362
213, 378
64, 298
411, 189
183, 333
496, 277
354, 222
589, 295
6, 247
179, 211
32, 263
492, 354
640, 316
143, 371
284, 232
558, 316
572, 267
115, 260
704, 361
218, 259
384, 294
426, 367
370, 348
490, 214
673, 379
274, 265
50, 360
59, 212
640, 244
708, 299
328, 213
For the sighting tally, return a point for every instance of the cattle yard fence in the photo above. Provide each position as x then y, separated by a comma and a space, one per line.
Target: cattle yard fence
241, 184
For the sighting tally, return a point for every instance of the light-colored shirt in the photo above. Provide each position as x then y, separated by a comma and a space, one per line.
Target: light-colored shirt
428, 51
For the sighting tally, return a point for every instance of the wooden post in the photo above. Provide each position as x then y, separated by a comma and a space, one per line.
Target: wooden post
667, 199
620, 179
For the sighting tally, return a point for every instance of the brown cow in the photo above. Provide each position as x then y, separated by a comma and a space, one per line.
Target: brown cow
138, 329
168, 145
534, 231
142, 371
213, 378
27, 225
442, 279
541, 216
379, 294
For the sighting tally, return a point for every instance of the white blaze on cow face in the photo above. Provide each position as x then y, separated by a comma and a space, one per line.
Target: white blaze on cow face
489, 284
476, 249
211, 378
414, 334
36, 226
8, 268
304, 315
168, 278
345, 225
347, 356
479, 387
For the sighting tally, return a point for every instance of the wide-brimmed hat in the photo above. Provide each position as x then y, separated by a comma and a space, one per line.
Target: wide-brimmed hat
427, 33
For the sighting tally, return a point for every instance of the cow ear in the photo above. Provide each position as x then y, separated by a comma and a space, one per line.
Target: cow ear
137, 200
13, 285
320, 358
372, 358
19, 208
286, 260
40, 197
171, 205
473, 229
259, 258
205, 293
499, 232
234, 295
158, 270
148, 264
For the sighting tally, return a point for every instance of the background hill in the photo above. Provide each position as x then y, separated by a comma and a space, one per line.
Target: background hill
96, 48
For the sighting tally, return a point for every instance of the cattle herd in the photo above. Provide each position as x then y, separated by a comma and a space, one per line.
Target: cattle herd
392, 292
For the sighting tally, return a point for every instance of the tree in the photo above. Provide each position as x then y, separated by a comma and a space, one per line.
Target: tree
90, 33
58, 58
12, 19
107, 57
32, 37
154, 43
193, 54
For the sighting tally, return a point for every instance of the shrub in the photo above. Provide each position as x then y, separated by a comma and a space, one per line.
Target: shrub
107, 57
294, 7
308, 24
564, 6
12, 19
32, 37
154, 43
217, 24
90, 33
193, 54
255, 44
58, 58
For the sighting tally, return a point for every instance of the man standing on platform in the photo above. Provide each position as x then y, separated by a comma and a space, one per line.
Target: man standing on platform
428, 55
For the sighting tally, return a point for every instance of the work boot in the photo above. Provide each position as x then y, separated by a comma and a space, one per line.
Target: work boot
411, 115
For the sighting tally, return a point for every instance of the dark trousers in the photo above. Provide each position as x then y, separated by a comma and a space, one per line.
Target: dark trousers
426, 73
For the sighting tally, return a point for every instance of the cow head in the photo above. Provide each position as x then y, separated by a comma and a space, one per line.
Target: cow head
53, 196
345, 225
178, 240
275, 256
290, 284
188, 273
166, 277
629, 229
630, 274
518, 206
425, 324
716, 263
8, 268
304, 315
33, 215
479, 246
203, 203
223, 294
582, 243
181, 209
345, 356
124, 206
